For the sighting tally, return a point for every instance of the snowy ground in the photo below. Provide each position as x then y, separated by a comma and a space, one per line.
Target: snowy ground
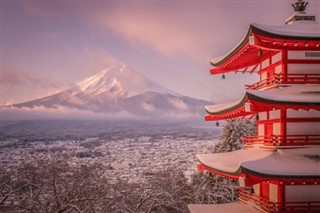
127, 150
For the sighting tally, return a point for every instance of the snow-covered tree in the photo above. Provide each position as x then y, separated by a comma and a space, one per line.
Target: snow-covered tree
232, 133
53, 186
208, 188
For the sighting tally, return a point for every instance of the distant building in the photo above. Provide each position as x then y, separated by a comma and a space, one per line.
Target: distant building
279, 168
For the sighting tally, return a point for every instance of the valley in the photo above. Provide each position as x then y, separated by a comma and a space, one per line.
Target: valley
129, 151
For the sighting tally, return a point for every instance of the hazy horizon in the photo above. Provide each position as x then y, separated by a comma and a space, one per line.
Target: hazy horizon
47, 46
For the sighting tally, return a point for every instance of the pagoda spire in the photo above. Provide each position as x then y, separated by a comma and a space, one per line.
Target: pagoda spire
299, 6
299, 13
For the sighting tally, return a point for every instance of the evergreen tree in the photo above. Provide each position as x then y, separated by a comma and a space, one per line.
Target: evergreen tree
232, 133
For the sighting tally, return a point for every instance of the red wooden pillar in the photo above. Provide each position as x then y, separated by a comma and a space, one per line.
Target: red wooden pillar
264, 190
281, 193
283, 125
284, 61
281, 197
283, 112
268, 130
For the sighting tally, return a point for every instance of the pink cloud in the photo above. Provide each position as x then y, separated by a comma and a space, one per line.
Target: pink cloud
99, 56
163, 30
189, 29
168, 27
47, 35
15, 77
14, 113
43, 9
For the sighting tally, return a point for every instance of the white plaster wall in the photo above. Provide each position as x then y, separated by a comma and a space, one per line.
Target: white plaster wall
277, 57
265, 63
273, 192
303, 68
302, 113
274, 114
241, 181
261, 129
264, 76
256, 188
278, 69
276, 129
302, 55
247, 107
303, 128
302, 193
262, 116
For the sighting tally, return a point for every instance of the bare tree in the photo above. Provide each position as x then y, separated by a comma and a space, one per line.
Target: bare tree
53, 186
212, 189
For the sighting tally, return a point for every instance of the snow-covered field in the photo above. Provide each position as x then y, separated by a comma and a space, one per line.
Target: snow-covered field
129, 150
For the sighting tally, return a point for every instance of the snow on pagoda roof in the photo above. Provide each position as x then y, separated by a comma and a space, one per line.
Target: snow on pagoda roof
301, 30
230, 162
305, 29
304, 95
286, 163
229, 207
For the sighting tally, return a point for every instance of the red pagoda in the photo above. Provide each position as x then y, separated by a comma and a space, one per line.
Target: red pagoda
279, 168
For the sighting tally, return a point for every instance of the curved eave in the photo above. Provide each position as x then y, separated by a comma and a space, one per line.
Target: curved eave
284, 103
228, 163
236, 106
284, 164
235, 50
234, 207
276, 176
245, 55
234, 175
255, 104
228, 115
242, 171
283, 36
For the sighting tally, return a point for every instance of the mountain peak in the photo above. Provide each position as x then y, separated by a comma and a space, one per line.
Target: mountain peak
119, 88
120, 80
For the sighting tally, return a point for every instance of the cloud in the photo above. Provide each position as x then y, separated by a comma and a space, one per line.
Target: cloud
19, 86
47, 35
44, 9
41, 112
171, 28
158, 27
15, 77
178, 104
198, 30
9, 103
99, 56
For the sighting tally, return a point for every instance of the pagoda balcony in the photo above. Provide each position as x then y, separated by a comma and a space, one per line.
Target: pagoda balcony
265, 205
282, 140
286, 79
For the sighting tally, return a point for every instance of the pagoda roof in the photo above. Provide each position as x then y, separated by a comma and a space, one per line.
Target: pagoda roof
244, 56
253, 101
285, 163
229, 207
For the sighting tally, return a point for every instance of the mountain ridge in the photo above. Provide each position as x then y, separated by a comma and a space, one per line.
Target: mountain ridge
119, 88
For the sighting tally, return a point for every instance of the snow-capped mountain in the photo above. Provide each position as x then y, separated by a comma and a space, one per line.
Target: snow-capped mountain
119, 81
119, 88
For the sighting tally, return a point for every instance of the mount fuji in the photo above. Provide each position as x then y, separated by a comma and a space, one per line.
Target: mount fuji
120, 88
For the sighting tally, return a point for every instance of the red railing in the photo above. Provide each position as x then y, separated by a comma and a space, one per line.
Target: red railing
269, 206
286, 79
283, 140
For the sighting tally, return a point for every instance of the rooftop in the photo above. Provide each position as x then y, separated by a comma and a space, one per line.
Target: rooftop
230, 208
268, 39
291, 163
289, 96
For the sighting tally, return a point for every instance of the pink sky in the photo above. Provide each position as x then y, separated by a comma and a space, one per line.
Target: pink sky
47, 46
